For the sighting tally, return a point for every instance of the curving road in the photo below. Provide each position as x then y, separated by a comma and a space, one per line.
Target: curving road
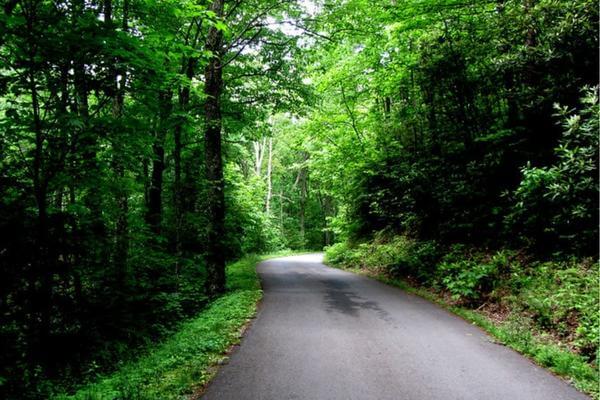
322, 333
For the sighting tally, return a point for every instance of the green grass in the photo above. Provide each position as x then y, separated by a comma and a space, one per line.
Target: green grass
557, 359
185, 362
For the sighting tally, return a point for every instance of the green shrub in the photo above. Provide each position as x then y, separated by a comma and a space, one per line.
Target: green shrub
424, 258
464, 278
396, 256
336, 253
475, 276
392, 256
564, 297
556, 206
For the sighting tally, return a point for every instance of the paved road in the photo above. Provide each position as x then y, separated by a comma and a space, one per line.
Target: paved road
322, 333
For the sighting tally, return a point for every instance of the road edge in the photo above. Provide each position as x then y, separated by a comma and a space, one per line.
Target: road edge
497, 332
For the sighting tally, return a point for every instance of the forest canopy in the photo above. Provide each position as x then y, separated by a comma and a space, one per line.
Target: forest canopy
146, 143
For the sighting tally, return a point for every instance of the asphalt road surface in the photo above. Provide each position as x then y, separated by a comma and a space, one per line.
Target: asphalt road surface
322, 333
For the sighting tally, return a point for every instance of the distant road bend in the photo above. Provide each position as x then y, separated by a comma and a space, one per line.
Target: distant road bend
323, 333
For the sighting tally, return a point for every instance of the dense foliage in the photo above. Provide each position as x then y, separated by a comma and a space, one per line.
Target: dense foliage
455, 122
112, 222
145, 143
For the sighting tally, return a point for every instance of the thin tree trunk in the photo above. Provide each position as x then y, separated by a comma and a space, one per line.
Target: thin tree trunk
40, 189
88, 141
179, 204
429, 95
154, 215
215, 252
302, 215
122, 224
188, 69
184, 98
269, 181
281, 225
531, 36
387, 106
42, 294
508, 75
259, 155
325, 203
303, 182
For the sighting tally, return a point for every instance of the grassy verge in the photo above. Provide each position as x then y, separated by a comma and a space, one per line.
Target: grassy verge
557, 359
185, 362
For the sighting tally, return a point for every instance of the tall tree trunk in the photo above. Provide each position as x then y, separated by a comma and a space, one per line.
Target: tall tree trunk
326, 210
43, 263
188, 68
508, 73
269, 180
215, 252
117, 90
281, 224
40, 280
184, 99
95, 251
387, 106
154, 215
177, 203
88, 142
303, 184
531, 36
259, 155
429, 96
302, 215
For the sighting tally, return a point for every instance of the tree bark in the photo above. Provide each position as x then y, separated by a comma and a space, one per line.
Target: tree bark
88, 141
215, 252
508, 75
154, 215
41, 294
184, 99
269, 180
303, 183
121, 250
259, 154
43, 264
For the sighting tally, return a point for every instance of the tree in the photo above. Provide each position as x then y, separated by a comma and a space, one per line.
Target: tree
213, 76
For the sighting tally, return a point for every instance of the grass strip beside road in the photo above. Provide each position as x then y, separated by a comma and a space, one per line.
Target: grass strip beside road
184, 363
